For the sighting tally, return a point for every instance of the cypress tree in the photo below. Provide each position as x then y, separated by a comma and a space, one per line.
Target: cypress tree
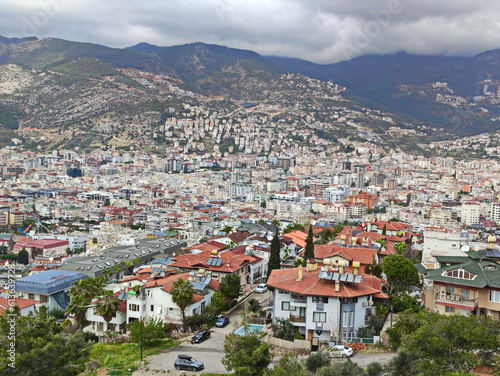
309, 249
274, 258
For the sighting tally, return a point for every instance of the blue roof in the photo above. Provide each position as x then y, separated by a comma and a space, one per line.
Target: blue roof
48, 282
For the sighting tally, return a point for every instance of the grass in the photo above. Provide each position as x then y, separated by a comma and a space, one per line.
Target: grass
124, 359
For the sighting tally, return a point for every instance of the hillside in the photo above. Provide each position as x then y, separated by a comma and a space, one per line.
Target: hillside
210, 98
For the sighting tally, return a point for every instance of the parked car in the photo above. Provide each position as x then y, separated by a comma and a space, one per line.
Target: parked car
188, 363
222, 321
262, 288
200, 336
340, 351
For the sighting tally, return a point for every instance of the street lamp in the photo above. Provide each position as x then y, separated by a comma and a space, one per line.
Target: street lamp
141, 324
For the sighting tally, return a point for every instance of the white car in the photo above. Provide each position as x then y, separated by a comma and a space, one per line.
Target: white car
340, 351
262, 288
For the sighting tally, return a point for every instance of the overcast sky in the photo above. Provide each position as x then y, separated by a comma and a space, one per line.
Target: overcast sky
323, 31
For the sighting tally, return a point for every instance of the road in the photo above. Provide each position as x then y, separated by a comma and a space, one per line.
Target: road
211, 352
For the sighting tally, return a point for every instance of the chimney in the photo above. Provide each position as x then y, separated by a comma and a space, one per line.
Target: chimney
299, 278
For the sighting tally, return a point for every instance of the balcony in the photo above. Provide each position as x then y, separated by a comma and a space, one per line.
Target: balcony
298, 319
456, 299
298, 300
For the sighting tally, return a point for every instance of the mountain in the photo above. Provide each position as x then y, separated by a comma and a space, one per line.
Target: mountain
459, 94
202, 97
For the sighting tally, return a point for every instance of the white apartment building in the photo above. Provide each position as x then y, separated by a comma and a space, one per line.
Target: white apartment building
336, 193
470, 212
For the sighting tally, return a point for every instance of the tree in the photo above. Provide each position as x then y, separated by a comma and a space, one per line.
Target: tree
315, 361
400, 248
454, 343
217, 304
374, 369
227, 229
152, 330
107, 306
82, 292
23, 257
384, 230
230, 287
41, 347
347, 368
292, 227
247, 355
283, 328
309, 248
400, 272
288, 365
78, 309
274, 258
182, 294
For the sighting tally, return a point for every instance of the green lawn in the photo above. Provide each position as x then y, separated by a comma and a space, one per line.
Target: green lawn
123, 359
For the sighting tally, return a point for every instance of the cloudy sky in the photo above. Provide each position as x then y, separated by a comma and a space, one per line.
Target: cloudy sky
323, 31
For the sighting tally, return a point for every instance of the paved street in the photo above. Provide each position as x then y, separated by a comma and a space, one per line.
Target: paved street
211, 351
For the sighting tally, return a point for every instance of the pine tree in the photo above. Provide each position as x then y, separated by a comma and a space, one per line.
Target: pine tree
274, 258
309, 249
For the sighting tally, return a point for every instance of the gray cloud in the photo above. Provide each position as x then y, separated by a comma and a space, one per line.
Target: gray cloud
323, 31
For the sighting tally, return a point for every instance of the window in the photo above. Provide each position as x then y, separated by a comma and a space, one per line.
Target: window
450, 290
465, 294
459, 273
152, 307
31, 296
319, 316
351, 319
494, 296
285, 306
320, 299
133, 307
449, 309
344, 318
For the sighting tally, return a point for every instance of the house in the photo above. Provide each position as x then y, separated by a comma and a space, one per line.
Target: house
330, 303
465, 285
220, 264
117, 324
50, 287
26, 306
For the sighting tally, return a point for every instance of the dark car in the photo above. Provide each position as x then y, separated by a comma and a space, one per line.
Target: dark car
200, 336
222, 321
188, 363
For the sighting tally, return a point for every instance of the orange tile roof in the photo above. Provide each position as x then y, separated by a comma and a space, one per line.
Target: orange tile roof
311, 285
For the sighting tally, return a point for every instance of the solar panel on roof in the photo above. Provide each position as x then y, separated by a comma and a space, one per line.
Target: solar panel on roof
496, 253
489, 253
322, 275
210, 261
335, 276
357, 279
350, 277
329, 275
219, 262
343, 277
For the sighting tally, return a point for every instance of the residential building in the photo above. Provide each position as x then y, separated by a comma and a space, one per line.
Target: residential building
330, 303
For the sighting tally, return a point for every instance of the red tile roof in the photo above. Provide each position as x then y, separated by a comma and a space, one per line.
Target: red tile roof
311, 285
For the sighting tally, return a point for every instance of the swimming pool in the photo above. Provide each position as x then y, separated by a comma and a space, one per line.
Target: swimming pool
252, 328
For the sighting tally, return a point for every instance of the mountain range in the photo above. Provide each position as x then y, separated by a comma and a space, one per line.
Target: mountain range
56, 93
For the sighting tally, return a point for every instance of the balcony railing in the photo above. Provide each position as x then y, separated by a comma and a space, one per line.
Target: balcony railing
298, 298
297, 319
456, 298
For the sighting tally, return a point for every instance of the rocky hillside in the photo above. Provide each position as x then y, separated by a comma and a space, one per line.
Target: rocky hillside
199, 98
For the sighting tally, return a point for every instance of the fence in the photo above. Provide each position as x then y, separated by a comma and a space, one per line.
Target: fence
298, 344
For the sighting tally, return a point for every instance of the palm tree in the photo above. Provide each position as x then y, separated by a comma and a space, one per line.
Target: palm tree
78, 308
107, 306
182, 294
